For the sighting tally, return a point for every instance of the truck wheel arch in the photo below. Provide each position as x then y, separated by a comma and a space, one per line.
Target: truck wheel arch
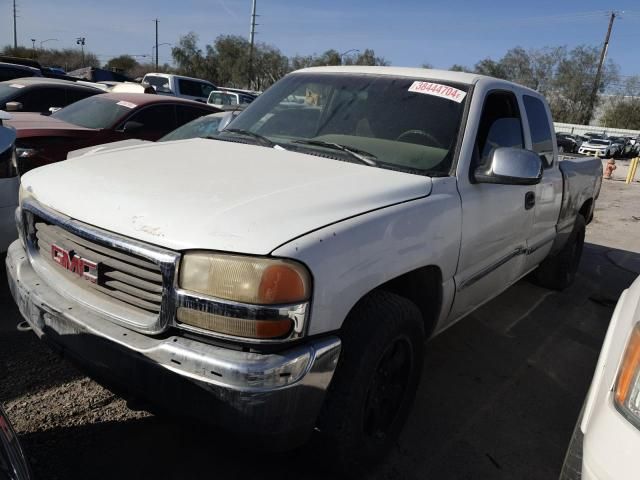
586, 210
423, 287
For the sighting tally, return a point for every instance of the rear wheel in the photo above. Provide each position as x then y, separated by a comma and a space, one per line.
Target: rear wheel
559, 270
375, 382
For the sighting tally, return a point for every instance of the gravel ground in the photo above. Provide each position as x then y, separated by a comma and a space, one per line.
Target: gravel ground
499, 399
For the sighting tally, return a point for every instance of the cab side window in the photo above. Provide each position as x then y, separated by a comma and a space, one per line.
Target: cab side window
541, 138
500, 126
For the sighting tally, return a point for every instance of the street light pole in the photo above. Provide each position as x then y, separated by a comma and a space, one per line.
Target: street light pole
47, 40
155, 48
33, 44
156, 44
81, 41
15, 32
348, 51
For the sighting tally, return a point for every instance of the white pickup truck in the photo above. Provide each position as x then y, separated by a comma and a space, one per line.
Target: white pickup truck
284, 275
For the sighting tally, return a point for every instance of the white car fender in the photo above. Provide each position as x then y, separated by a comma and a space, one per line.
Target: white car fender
352, 257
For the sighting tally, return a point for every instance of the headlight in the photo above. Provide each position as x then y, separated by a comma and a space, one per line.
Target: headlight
22, 152
627, 390
264, 284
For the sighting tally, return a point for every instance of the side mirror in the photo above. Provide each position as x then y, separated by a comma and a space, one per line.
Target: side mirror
131, 126
13, 106
511, 166
54, 109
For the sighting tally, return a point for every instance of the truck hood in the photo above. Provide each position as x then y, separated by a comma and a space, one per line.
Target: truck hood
216, 195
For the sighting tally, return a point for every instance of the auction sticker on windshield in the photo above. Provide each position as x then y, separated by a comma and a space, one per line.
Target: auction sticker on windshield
123, 103
438, 90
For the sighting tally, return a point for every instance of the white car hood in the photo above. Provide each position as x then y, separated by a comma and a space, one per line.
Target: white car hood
216, 195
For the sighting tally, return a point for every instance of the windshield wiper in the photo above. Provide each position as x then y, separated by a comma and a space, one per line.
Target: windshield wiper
261, 138
360, 155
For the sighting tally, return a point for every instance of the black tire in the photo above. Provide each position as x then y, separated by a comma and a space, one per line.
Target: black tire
375, 382
559, 271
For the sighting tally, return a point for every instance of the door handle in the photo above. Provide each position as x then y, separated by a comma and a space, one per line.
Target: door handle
529, 200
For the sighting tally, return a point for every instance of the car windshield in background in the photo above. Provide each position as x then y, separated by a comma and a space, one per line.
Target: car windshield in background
94, 112
402, 123
206, 126
599, 142
7, 92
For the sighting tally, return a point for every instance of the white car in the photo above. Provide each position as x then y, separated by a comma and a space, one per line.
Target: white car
223, 98
598, 146
9, 184
610, 425
180, 86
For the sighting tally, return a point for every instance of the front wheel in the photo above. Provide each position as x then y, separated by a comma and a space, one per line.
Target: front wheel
375, 382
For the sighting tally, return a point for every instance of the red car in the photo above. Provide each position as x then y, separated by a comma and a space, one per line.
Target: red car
105, 118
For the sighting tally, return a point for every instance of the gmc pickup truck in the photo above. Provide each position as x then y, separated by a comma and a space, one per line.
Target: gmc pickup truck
283, 276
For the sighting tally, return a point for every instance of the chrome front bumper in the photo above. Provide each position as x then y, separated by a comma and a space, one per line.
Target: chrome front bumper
277, 396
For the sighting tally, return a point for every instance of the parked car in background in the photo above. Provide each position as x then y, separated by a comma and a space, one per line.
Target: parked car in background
593, 135
225, 99
597, 146
41, 94
606, 440
203, 127
96, 120
10, 71
288, 285
9, 183
566, 143
179, 86
13, 462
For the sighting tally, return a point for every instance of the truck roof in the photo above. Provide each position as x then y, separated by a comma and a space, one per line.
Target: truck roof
418, 73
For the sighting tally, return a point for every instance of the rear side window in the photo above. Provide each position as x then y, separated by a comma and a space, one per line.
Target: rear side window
10, 73
75, 94
500, 126
541, 138
40, 99
156, 118
193, 88
186, 114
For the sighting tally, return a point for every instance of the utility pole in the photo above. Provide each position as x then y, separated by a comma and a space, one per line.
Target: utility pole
15, 32
252, 35
596, 84
156, 20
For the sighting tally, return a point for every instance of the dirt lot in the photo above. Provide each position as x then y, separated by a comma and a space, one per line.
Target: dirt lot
499, 398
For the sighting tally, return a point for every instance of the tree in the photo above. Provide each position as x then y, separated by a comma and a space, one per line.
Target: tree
459, 68
623, 110
490, 68
123, 64
69, 59
187, 56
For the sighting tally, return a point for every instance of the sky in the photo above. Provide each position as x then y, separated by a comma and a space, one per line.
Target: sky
407, 32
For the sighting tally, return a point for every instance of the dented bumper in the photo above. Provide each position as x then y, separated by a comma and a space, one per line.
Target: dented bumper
276, 396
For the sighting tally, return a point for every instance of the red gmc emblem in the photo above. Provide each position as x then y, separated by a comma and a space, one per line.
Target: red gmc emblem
68, 260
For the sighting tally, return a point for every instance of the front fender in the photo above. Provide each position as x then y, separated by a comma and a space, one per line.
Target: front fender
350, 258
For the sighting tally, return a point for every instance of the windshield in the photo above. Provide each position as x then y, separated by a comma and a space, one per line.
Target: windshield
404, 123
94, 112
7, 92
599, 142
200, 127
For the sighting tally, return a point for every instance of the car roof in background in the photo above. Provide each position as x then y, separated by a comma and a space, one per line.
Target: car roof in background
19, 66
29, 81
145, 98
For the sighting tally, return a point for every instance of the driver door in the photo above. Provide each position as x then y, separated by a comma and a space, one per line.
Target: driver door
496, 219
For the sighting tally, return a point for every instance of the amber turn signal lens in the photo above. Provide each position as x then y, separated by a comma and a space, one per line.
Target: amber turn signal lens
281, 284
627, 392
237, 327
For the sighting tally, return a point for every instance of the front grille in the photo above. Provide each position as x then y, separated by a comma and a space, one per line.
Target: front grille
132, 283
124, 277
